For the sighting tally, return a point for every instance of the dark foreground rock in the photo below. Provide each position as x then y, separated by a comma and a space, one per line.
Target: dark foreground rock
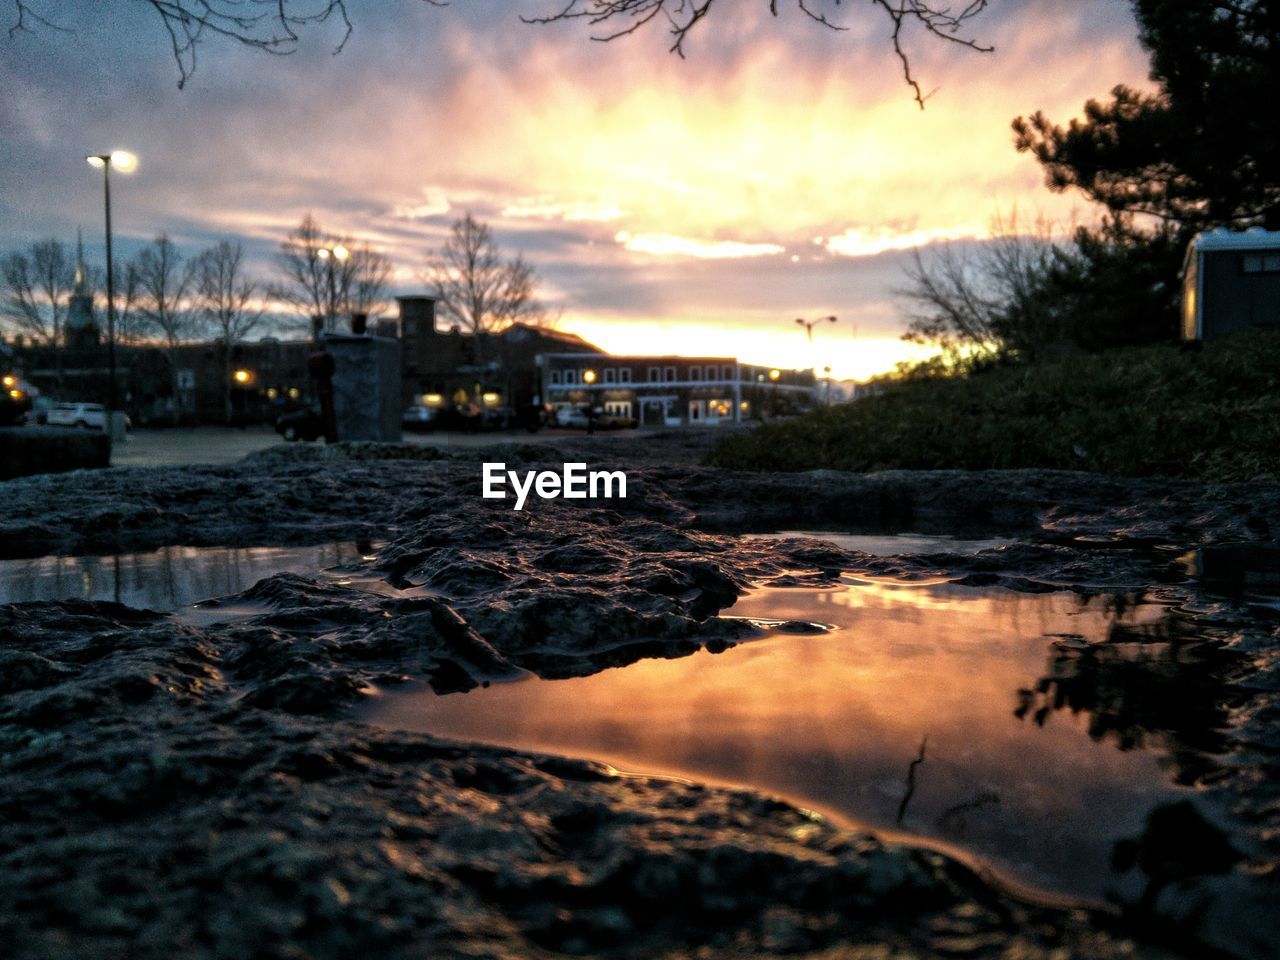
187, 787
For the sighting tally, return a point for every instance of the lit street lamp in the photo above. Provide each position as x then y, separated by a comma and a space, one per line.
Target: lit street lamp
329, 255
125, 162
589, 378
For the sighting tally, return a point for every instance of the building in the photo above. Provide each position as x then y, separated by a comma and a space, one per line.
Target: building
450, 368
671, 391
1230, 281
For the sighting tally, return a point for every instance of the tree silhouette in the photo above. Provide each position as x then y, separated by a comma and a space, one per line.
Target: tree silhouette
166, 298
229, 303
37, 285
1204, 148
476, 288
319, 284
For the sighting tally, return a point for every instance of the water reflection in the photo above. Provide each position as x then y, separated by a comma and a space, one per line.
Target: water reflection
904, 715
892, 544
1151, 685
168, 578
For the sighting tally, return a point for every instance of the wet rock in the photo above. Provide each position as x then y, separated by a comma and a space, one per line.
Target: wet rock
169, 790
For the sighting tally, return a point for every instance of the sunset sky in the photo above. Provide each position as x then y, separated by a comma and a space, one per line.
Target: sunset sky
691, 206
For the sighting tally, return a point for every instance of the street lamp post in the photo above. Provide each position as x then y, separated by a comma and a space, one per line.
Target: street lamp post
125, 162
328, 255
808, 329
810, 324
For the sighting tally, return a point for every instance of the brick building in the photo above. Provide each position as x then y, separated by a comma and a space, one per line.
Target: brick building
450, 368
669, 391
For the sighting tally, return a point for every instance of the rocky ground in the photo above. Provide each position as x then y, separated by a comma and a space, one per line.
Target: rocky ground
169, 788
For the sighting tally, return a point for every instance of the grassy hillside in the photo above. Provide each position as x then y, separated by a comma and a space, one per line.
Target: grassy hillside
1210, 414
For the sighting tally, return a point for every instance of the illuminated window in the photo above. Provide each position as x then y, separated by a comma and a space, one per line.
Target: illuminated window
719, 408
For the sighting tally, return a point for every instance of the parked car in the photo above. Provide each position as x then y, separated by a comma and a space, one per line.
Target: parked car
82, 416
418, 417
572, 417
611, 421
582, 418
304, 424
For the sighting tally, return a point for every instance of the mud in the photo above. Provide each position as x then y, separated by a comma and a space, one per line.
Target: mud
172, 787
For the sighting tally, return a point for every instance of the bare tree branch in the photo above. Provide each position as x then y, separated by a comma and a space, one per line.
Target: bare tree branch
618, 18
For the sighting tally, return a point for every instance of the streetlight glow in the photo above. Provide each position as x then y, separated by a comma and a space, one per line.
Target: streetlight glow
341, 252
774, 374
96, 161
124, 161
589, 376
242, 376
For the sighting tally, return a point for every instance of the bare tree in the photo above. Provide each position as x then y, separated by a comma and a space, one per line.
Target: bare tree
228, 303
129, 322
165, 298
324, 275
476, 288
944, 20
366, 276
38, 284
986, 297
130, 325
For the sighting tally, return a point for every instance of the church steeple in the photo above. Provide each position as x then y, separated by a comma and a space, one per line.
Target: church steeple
81, 328
82, 274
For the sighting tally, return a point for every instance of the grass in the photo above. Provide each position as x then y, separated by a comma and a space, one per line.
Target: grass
1208, 414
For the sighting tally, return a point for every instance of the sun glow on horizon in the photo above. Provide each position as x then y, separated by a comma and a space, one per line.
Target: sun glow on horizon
850, 356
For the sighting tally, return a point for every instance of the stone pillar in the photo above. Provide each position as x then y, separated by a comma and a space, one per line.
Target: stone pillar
366, 386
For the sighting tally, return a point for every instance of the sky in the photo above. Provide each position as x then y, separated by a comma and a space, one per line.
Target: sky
691, 206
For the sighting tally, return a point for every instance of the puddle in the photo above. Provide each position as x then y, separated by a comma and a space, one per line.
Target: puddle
837, 721
166, 579
893, 544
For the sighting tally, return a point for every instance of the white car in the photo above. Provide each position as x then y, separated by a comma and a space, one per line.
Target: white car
571, 417
83, 416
